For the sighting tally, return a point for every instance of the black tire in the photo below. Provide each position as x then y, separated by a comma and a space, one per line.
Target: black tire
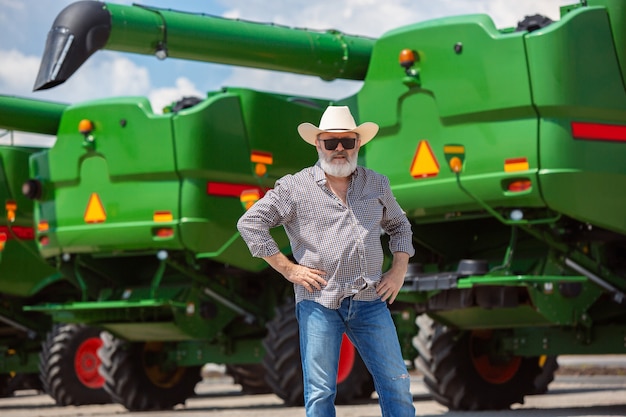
11, 383
461, 376
136, 377
251, 377
5, 381
549, 365
68, 365
284, 369
20, 382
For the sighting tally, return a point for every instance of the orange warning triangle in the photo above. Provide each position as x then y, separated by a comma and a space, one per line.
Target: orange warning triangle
95, 211
424, 162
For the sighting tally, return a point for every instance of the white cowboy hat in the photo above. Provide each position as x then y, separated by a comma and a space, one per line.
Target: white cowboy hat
337, 119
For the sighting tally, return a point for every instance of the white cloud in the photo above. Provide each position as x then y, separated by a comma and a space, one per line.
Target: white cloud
125, 77
104, 75
287, 83
373, 18
17, 72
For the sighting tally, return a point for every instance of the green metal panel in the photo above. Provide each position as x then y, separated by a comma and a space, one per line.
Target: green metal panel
569, 86
601, 340
200, 37
215, 141
478, 98
171, 160
84, 27
129, 152
480, 318
21, 266
499, 98
617, 17
36, 116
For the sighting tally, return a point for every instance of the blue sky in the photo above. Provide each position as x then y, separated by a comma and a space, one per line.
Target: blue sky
24, 25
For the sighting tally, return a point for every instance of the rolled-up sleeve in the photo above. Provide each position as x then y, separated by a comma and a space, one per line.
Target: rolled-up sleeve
267, 213
396, 224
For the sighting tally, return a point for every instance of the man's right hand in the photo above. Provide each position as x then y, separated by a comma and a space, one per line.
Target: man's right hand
309, 278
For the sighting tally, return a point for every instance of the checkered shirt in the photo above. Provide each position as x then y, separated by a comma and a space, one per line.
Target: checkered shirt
344, 241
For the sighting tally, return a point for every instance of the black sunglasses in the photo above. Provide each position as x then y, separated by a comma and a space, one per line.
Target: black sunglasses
331, 144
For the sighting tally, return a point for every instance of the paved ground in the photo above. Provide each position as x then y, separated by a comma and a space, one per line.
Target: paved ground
576, 391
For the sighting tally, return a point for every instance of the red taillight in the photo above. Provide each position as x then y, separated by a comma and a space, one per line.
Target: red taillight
164, 232
519, 185
598, 131
226, 189
44, 240
20, 232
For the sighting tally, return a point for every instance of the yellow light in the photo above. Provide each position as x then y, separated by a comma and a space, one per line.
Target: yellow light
249, 197
456, 164
11, 207
85, 126
260, 169
407, 58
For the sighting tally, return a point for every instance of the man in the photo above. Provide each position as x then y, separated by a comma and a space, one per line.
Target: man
333, 213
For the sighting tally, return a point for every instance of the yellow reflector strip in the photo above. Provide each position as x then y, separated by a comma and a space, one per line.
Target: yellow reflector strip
162, 216
249, 197
261, 157
43, 226
424, 163
454, 149
11, 207
516, 164
95, 210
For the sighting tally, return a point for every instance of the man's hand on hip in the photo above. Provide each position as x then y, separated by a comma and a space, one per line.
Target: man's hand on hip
309, 278
391, 282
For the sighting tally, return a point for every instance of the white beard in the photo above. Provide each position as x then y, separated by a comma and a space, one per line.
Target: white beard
338, 167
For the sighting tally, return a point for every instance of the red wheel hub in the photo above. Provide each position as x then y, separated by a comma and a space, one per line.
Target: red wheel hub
347, 355
494, 373
86, 363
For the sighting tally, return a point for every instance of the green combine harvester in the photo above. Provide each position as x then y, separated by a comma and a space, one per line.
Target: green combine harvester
506, 148
60, 359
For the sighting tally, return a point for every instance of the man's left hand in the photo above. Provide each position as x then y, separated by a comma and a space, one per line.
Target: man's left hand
391, 282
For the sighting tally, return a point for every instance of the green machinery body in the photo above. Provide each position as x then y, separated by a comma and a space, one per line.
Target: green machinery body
144, 221
25, 277
504, 147
537, 130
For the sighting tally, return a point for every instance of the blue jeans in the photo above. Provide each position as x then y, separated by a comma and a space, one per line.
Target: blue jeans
370, 327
